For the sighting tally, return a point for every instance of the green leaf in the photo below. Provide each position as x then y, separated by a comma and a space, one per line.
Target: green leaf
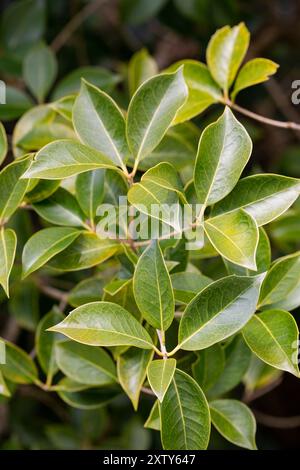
281, 281
104, 324
224, 149
132, 369
185, 418
88, 290
273, 337
203, 91
225, 53
141, 67
218, 311
253, 72
12, 188
4, 391
17, 102
19, 366
209, 366
235, 236
136, 12
152, 110
24, 304
89, 191
45, 244
90, 399
100, 124
85, 364
8, 245
45, 343
153, 421
153, 289
86, 251
3, 143
234, 421
64, 106
64, 158
61, 208
160, 374
42, 190
39, 70
187, 284
259, 375
264, 197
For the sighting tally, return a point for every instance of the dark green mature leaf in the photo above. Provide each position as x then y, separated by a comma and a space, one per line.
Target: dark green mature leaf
3, 143
85, 364
64, 158
17, 102
234, 421
218, 311
264, 197
187, 284
132, 369
152, 110
224, 149
19, 367
44, 245
185, 418
8, 244
24, 304
39, 70
86, 251
90, 191
88, 290
61, 208
153, 289
209, 366
273, 337
160, 374
138, 11
100, 124
141, 67
225, 53
90, 399
203, 90
42, 190
235, 236
104, 324
253, 72
12, 188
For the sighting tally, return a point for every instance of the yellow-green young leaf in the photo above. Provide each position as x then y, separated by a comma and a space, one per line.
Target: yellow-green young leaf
104, 324
218, 311
235, 421
235, 236
89, 191
86, 251
153, 289
209, 366
281, 283
39, 70
253, 72
224, 149
3, 143
264, 197
45, 244
61, 208
64, 158
273, 337
203, 90
8, 244
100, 124
19, 367
132, 370
3, 387
89, 399
225, 53
153, 420
185, 417
45, 342
187, 284
160, 374
152, 110
12, 187
85, 364
141, 67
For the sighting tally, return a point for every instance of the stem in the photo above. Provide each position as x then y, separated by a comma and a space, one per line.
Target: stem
147, 391
162, 342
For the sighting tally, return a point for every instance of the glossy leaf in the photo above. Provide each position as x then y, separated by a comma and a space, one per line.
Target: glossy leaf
253, 72
234, 421
187, 284
218, 311
273, 337
141, 67
153, 289
3, 143
160, 374
153, 420
4, 391
90, 399
224, 149
209, 366
185, 418
19, 367
8, 244
104, 324
90, 191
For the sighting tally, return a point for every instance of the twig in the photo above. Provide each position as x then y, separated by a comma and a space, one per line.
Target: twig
74, 24
161, 338
278, 422
55, 294
147, 391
